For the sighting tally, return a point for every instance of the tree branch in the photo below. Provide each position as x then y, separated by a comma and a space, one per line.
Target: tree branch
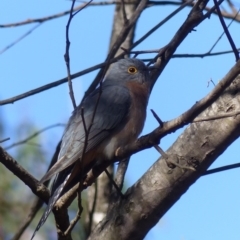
37, 188
20, 38
221, 169
34, 135
236, 53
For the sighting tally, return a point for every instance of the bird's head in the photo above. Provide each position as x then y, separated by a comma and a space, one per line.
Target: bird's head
128, 70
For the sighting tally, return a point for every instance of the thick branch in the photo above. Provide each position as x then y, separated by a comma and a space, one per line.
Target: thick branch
37, 188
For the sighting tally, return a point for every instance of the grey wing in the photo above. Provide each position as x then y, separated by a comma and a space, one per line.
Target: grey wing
112, 108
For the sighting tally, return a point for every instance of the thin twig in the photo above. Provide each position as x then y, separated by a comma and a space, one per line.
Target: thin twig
119, 180
106, 3
157, 118
20, 38
61, 14
214, 45
179, 55
208, 83
55, 84
221, 169
168, 160
202, 55
80, 9
164, 155
66, 55
161, 23
4, 140
236, 53
77, 217
113, 183
121, 171
34, 135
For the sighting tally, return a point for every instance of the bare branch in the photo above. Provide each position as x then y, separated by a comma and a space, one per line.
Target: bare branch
77, 217
34, 135
171, 163
161, 23
202, 55
121, 171
157, 118
54, 16
181, 55
229, 15
54, 84
226, 31
66, 55
37, 188
214, 45
20, 38
113, 183
4, 140
221, 169
225, 14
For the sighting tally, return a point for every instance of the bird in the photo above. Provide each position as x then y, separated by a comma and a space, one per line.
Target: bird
110, 117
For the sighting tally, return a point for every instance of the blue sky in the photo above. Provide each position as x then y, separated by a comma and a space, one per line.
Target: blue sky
210, 208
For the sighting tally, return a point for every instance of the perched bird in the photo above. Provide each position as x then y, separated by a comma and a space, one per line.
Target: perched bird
113, 116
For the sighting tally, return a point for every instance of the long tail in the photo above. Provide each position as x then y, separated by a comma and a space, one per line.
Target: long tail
64, 181
56, 195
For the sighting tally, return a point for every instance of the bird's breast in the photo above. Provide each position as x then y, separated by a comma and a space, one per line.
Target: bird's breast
130, 128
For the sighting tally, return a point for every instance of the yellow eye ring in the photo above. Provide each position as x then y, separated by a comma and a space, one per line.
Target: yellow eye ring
132, 70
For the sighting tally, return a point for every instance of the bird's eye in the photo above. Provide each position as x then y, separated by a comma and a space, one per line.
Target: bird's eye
132, 70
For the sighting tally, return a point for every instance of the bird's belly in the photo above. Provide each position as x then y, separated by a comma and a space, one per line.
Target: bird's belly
121, 138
